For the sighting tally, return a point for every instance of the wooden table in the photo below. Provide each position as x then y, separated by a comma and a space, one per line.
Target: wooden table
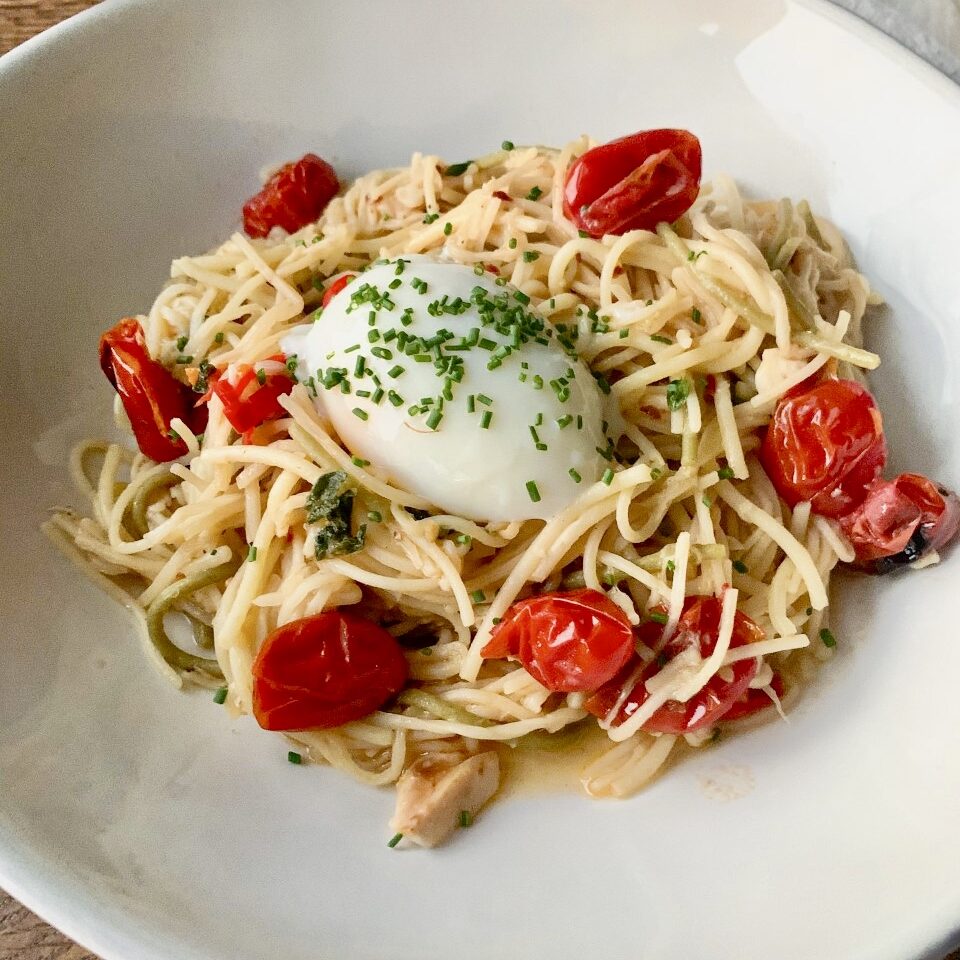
24, 936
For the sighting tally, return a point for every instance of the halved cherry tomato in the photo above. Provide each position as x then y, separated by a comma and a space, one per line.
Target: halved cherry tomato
293, 197
566, 641
323, 671
699, 626
247, 402
633, 183
335, 288
826, 446
753, 701
900, 521
151, 395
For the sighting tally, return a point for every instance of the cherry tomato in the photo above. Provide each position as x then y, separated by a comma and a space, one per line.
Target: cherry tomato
566, 641
247, 402
335, 288
325, 670
151, 395
826, 446
699, 626
753, 701
633, 183
293, 197
900, 521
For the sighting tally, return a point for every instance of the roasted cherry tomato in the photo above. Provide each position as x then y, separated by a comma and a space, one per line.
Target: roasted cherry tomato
699, 626
151, 395
335, 288
293, 197
900, 521
826, 446
325, 670
248, 402
633, 183
566, 641
753, 701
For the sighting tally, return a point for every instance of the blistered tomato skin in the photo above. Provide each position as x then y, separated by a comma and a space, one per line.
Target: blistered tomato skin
324, 671
901, 521
699, 626
150, 394
293, 197
633, 183
569, 642
825, 445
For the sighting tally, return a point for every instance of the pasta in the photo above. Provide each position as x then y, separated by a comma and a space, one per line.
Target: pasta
698, 329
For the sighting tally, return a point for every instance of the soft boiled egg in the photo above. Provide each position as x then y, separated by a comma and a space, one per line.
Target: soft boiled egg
455, 390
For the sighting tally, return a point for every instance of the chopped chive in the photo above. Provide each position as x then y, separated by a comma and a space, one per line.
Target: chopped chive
218, 338
530, 255
739, 566
725, 473
583, 234
485, 420
706, 500
534, 194
359, 462
181, 343
395, 398
624, 333
565, 420
575, 475
251, 554
361, 414
829, 640
456, 169
294, 757
375, 516
512, 243
607, 477
359, 367
532, 491
506, 145
384, 353
466, 818
395, 371
657, 617
394, 840
660, 339
471, 403
261, 376
464, 539
537, 382
521, 297
478, 596
696, 316
671, 566
220, 696
484, 399
447, 229
430, 217
677, 393
433, 421
478, 269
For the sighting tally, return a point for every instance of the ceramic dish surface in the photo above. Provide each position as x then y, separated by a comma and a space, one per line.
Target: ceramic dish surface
146, 823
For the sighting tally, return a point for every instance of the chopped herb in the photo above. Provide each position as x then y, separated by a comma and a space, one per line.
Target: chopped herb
251, 554
696, 315
447, 229
359, 462
466, 818
361, 414
677, 393
535, 193
532, 491
706, 500
583, 234
485, 420
294, 757
740, 566
603, 383
478, 596
395, 371
512, 243
607, 477
394, 840
220, 696
375, 516
384, 353
484, 399
331, 501
261, 376
506, 145
695, 256
181, 343
203, 376
430, 217
456, 169
395, 398
660, 339
464, 539
433, 421
658, 617
478, 269
565, 420
521, 297
184, 359
530, 255
218, 338
725, 473
829, 640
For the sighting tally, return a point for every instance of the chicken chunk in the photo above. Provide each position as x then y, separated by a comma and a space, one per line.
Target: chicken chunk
434, 793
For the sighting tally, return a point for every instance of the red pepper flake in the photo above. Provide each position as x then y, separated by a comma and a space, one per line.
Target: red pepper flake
490, 268
500, 195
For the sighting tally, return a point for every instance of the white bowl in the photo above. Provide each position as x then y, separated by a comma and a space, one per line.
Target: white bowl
148, 825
